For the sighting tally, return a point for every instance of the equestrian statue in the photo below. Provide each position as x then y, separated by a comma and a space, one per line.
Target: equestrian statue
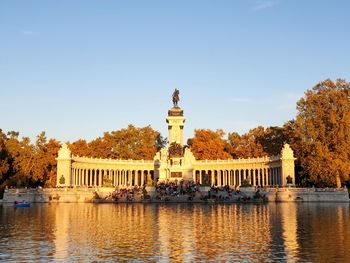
176, 97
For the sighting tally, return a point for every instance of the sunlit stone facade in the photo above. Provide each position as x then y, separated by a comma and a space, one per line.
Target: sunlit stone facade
172, 164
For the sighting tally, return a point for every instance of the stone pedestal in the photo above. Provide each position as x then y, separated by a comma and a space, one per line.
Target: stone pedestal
204, 189
248, 191
151, 190
175, 122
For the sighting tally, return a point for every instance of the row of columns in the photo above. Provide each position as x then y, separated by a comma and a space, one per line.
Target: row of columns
258, 177
109, 177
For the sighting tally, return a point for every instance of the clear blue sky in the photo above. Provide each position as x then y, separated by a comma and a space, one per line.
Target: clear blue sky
78, 68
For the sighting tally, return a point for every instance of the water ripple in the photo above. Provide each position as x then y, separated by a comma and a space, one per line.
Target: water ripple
175, 233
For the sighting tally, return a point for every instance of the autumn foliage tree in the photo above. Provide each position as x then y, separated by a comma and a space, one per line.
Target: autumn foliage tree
209, 145
30, 164
246, 145
257, 142
128, 143
322, 133
4, 158
44, 165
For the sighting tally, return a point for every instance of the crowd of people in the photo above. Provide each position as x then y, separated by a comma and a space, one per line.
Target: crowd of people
176, 189
131, 193
180, 191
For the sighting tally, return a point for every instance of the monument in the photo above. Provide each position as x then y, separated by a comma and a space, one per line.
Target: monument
174, 163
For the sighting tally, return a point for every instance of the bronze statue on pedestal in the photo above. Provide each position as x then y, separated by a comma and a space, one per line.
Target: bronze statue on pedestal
176, 97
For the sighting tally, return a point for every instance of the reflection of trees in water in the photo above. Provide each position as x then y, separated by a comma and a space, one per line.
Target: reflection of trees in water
324, 228
23, 233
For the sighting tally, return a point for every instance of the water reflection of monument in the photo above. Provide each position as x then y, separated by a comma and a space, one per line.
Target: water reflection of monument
176, 162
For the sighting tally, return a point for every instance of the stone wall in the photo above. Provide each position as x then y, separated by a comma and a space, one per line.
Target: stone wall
307, 195
82, 195
55, 195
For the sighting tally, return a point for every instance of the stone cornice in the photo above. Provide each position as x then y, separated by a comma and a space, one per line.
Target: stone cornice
90, 160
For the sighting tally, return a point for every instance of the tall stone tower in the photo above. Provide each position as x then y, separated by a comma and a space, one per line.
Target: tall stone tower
175, 122
64, 161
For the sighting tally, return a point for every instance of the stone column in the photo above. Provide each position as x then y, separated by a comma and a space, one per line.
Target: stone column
271, 176
92, 173
78, 176
142, 177
128, 176
113, 176
137, 177
74, 178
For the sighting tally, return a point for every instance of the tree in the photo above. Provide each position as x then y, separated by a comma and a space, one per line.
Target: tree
4, 158
44, 167
21, 154
79, 148
209, 145
247, 145
273, 139
129, 143
257, 142
53, 147
322, 130
134, 143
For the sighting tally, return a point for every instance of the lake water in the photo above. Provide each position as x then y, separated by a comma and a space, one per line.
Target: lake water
283, 232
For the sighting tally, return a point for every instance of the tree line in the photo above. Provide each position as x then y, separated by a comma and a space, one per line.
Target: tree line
319, 136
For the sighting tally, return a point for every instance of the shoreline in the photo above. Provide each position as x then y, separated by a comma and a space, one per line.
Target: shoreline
245, 195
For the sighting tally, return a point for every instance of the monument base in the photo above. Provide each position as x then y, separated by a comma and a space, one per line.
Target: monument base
150, 190
204, 189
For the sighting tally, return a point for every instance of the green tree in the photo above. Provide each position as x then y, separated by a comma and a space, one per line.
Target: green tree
322, 130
